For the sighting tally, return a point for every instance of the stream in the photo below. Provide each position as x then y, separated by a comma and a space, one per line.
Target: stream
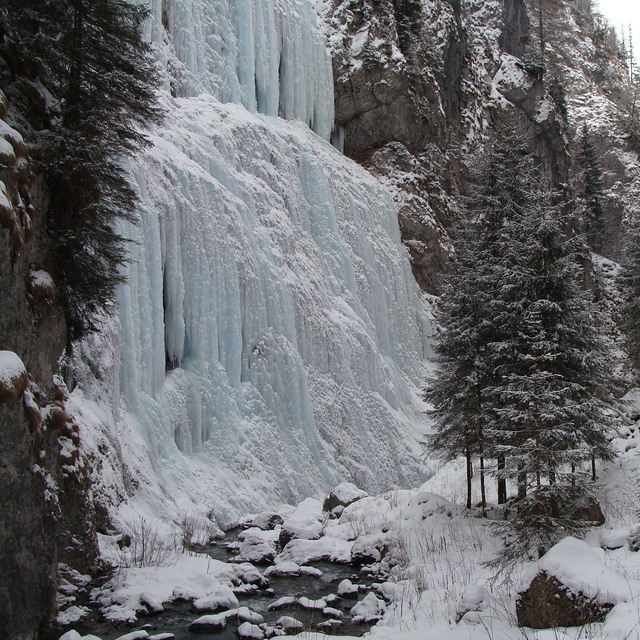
177, 616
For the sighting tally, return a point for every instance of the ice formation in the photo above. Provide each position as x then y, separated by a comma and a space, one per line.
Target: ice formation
271, 336
264, 54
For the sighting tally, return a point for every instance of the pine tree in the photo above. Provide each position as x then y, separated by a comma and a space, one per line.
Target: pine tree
593, 191
536, 389
91, 56
630, 285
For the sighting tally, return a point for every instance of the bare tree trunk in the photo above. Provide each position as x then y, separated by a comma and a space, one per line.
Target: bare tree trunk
469, 476
502, 483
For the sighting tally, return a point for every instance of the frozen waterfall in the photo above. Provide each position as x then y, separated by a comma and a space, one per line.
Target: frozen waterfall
270, 338
264, 54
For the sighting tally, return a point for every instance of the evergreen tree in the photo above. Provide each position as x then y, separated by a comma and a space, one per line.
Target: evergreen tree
593, 191
527, 367
91, 56
630, 284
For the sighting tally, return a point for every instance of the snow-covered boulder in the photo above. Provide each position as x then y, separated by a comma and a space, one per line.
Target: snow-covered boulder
289, 624
13, 377
304, 523
221, 597
342, 496
257, 546
367, 549
571, 586
346, 589
213, 623
248, 631
267, 520
369, 609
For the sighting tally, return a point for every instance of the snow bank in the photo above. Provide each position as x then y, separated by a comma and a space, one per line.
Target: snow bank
582, 569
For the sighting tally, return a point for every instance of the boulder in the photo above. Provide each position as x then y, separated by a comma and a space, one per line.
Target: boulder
571, 586
548, 603
342, 496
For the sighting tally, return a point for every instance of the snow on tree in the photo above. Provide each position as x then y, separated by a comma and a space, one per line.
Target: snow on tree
521, 361
593, 191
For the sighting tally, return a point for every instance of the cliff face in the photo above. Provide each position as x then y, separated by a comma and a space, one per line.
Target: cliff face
420, 85
45, 507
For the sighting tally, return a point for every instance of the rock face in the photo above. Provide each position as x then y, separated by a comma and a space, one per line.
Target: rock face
548, 603
419, 84
45, 511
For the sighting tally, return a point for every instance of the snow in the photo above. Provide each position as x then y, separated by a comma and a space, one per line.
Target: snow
192, 577
12, 370
581, 568
368, 609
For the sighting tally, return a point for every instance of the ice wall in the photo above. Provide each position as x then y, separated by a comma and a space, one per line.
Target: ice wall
267, 55
271, 328
270, 338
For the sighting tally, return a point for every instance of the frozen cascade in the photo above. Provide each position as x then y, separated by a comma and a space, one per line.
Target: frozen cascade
271, 328
267, 55
270, 338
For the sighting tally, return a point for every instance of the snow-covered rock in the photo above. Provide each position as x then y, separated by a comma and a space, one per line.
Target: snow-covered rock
570, 586
13, 376
248, 631
257, 545
369, 609
342, 496
221, 597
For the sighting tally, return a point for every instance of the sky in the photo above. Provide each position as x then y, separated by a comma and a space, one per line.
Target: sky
622, 13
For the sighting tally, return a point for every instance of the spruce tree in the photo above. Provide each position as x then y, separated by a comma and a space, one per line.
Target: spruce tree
91, 57
592, 191
536, 388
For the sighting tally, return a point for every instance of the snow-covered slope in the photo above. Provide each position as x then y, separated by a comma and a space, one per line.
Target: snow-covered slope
270, 338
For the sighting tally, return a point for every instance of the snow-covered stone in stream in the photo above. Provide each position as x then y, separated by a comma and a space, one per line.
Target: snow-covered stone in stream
247, 615
304, 523
248, 631
346, 589
366, 549
13, 376
213, 623
330, 624
162, 636
308, 603
342, 496
332, 612
71, 635
290, 624
71, 614
134, 635
267, 520
245, 572
257, 545
369, 609
390, 591
222, 597
305, 551
286, 568
151, 603
281, 603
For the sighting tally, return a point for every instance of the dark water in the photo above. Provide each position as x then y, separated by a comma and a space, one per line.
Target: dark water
178, 616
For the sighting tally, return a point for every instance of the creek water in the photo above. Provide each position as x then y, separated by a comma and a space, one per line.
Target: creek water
177, 616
